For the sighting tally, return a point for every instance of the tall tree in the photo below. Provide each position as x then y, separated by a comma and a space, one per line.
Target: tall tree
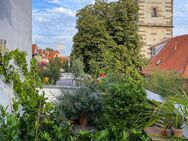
107, 37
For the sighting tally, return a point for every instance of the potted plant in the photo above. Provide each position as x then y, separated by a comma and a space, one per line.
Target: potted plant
82, 104
171, 113
83, 121
177, 132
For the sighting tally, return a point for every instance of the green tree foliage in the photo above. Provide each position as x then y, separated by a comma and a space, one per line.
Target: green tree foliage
164, 83
108, 37
33, 118
66, 66
124, 103
9, 126
77, 68
81, 102
52, 70
49, 49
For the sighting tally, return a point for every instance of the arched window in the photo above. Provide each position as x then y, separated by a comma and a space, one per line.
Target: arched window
154, 12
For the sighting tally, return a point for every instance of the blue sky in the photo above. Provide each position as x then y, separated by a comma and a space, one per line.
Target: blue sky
54, 21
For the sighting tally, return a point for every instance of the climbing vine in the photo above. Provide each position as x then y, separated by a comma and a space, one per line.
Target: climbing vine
35, 118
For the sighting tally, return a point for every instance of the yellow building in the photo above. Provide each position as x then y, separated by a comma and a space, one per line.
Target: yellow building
155, 23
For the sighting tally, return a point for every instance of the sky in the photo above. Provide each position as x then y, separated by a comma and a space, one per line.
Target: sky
54, 22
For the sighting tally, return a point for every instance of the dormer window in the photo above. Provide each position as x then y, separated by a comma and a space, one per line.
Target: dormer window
153, 51
154, 12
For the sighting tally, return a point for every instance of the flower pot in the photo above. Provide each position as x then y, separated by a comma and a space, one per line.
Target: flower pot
177, 132
166, 132
83, 121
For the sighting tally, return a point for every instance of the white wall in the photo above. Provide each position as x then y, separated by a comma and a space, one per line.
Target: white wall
16, 24
16, 29
6, 95
51, 93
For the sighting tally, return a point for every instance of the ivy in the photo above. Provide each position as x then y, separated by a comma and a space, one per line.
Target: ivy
35, 118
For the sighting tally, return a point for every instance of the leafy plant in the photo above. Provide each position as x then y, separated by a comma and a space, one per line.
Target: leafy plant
32, 118
77, 68
112, 135
81, 102
172, 112
9, 126
108, 38
164, 83
66, 65
52, 70
123, 104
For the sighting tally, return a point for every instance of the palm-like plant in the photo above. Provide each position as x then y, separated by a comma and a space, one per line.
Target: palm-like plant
172, 112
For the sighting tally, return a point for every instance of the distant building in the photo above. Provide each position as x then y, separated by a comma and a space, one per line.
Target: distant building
51, 54
171, 55
39, 55
44, 55
155, 23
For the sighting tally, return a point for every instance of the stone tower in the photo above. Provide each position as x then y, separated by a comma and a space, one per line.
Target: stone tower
155, 23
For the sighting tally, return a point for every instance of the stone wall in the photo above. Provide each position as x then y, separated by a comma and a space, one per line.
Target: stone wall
155, 28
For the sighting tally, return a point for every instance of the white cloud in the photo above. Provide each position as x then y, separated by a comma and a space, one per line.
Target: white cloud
54, 12
54, 1
62, 10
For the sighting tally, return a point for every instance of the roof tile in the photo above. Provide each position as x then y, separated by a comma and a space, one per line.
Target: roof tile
173, 57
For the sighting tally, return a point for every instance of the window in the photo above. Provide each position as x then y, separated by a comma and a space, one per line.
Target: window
154, 12
153, 51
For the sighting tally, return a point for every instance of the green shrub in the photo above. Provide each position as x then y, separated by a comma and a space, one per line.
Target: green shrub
36, 121
81, 102
123, 104
112, 135
9, 126
66, 65
77, 67
164, 83
52, 71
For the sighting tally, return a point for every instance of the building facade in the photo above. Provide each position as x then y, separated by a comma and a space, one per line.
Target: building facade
15, 32
172, 57
155, 23
16, 25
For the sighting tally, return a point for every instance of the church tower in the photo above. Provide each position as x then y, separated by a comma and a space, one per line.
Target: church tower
155, 23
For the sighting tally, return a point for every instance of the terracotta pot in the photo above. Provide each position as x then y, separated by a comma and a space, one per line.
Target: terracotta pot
166, 132
163, 132
177, 132
83, 121
156, 131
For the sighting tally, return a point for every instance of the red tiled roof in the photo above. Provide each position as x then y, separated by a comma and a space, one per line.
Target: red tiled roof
51, 54
173, 57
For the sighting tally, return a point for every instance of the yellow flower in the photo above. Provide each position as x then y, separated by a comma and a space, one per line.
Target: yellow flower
46, 79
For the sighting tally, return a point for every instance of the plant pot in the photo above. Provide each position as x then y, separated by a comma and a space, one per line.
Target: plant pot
177, 132
166, 132
83, 121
